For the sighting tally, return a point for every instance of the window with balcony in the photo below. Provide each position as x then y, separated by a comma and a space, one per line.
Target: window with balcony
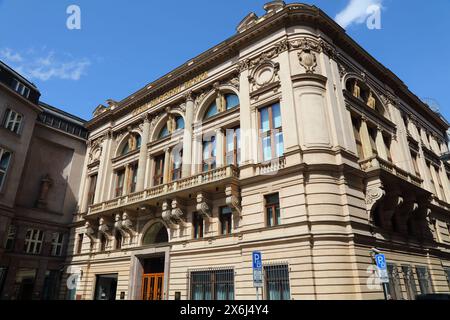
33, 241
212, 284
356, 131
226, 218
233, 146
92, 187
158, 177
132, 178
20, 88
12, 121
424, 278
57, 244
197, 222
11, 238
276, 278
271, 132
5, 158
120, 180
414, 157
79, 243
209, 153
177, 162
272, 208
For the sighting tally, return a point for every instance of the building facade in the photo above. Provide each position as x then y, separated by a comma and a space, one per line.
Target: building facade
289, 139
41, 152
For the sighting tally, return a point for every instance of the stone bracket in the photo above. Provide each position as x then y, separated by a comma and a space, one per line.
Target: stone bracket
203, 206
233, 199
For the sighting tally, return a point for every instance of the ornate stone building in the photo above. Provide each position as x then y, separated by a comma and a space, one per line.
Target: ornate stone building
42, 150
288, 138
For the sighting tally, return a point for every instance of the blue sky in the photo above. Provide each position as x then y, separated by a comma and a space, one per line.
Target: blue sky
123, 45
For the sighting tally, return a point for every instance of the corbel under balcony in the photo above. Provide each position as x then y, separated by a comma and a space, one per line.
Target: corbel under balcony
203, 206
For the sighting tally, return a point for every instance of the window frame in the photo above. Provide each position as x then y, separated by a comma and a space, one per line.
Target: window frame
283, 280
158, 164
11, 238
11, 121
79, 248
92, 186
272, 133
21, 88
209, 282
57, 244
273, 206
198, 226
236, 152
211, 162
176, 172
428, 280
4, 172
34, 240
226, 221
119, 183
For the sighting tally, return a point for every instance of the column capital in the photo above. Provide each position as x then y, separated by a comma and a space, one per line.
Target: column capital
188, 96
146, 117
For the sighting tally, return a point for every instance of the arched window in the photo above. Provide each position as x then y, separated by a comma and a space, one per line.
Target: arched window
212, 110
164, 132
132, 143
363, 92
232, 101
157, 233
179, 123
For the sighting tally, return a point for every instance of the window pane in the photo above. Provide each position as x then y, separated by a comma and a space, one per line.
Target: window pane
164, 132
212, 110
4, 161
279, 144
265, 123
232, 101
180, 123
267, 149
276, 115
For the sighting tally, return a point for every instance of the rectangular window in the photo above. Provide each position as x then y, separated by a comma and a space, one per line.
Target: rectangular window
11, 238
105, 287
12, 121
394, 288
120, 179
447, 274
277, 282
92, 187
209, 153
177, 161
424, 278
430, 178
439, 182
414, 157
57, 244
51, 285
373, 139
410, 282
233, 146
272, 207
356, 131
226, 218
79, 243
33, 241
5, 159
197, 221
271, 133
132, 178
20, 88
387, 144
212, 285
158, 178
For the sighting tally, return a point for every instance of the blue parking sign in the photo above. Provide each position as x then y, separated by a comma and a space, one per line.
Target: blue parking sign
257, 260
380, 259
257, 269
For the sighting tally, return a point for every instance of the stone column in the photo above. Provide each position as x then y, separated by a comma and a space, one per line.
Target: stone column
220, 151
166, 177
142, 164
197, 154
85, 181
381, 146
187, 136
245, 119
365, 139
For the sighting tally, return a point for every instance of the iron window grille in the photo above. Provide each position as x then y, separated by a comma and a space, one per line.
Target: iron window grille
212, 284
276, 281
424, 277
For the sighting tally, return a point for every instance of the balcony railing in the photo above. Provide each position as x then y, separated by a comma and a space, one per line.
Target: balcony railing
376, 162
155, 192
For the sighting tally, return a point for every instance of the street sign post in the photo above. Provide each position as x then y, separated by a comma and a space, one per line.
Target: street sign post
380, 261
257, 272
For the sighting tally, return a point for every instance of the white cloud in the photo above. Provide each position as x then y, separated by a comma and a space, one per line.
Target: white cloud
45, 65
356, 12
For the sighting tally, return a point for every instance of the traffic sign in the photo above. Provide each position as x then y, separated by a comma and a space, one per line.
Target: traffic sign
380, 261
257, 269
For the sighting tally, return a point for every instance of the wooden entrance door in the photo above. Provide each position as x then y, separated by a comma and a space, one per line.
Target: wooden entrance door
152, 286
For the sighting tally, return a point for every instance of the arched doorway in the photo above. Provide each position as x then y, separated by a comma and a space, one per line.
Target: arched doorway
152, 285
